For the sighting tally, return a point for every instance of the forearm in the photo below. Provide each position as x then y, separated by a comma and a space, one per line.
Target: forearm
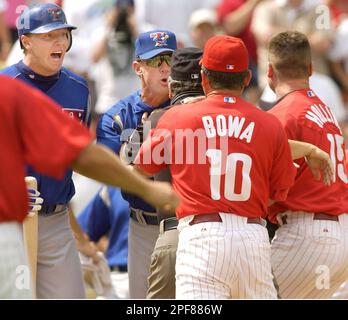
99, 163
300, 149
236, 21
78, 232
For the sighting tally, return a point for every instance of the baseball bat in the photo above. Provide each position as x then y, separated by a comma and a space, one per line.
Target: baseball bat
30, 235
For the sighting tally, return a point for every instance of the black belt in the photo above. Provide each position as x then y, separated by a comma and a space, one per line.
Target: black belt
149, 219
53, 208
119, 268
170, 223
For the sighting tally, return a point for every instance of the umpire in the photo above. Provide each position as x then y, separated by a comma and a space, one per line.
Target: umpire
184, 82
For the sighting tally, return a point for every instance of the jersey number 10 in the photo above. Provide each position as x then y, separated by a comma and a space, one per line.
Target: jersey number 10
215, 157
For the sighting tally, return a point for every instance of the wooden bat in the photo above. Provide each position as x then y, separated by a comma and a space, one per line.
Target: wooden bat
30, 235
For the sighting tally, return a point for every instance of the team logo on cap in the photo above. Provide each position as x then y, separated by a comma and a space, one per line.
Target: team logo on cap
55, 12
230, 67
160, 38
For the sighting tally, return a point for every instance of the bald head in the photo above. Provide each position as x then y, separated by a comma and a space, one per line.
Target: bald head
290, 55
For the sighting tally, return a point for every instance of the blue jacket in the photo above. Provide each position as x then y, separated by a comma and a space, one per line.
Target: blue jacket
108, 213
71, 92
112, 132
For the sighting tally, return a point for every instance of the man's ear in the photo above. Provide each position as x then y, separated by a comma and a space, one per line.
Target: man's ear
138, 68
270, 70
310, 69
25, 41
247, 79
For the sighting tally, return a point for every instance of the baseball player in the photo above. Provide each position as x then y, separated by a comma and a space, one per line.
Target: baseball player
45, 37
26, 139
231, 160
184, 82
310, 250
153, 52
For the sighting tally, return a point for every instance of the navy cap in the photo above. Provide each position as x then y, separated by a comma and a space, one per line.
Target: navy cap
185, 64
152, 43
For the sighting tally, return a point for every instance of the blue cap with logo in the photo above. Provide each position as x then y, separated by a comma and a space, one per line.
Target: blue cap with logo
152, 43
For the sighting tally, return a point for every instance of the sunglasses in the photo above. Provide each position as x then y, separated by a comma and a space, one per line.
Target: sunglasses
157, 61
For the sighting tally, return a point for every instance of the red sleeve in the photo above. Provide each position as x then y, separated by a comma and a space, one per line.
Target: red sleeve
156, 152
51, 140
283, 171
226, 7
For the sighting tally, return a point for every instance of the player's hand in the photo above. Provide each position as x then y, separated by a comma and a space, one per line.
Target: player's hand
34, 201
320, 164
161, 196
88, 248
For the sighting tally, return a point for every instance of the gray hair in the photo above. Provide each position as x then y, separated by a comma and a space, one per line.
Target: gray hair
178, 86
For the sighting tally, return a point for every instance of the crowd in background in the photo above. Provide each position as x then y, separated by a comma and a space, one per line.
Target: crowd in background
103, 43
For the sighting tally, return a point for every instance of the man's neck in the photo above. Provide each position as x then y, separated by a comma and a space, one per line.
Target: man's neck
224, 92
285, 87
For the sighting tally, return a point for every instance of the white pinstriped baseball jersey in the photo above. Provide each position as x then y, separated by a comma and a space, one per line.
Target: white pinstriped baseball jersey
310, 256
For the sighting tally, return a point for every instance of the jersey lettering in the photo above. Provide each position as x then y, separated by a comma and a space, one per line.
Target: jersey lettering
231, 173
76, 114
337, 156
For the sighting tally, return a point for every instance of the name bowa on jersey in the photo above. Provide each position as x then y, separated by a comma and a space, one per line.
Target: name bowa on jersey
224, 126
76, 114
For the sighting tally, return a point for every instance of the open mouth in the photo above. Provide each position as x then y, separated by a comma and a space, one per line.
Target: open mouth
164, 81
57, 55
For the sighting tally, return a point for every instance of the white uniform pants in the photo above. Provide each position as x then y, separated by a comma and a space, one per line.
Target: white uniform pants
310, 257
221, 260
15, 277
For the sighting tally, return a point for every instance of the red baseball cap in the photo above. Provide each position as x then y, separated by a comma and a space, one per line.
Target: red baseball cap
225, 54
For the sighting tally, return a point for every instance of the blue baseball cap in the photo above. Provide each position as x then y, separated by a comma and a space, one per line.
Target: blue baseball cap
152, 43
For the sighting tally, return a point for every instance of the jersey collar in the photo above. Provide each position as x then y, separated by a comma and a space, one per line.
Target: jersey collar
35, 76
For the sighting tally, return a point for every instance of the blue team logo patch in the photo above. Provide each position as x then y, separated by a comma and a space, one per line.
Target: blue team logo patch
230, 99
76, 114
160, 38
56, 13
310, 94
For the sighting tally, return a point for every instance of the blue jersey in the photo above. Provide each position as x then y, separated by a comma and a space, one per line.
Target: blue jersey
71, 93
112, 132
108, 213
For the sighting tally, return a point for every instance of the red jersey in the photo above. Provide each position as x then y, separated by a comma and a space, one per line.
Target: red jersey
306, 118
33, 131
225, 155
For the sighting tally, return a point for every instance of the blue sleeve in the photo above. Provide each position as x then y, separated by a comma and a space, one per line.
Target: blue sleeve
109, 130
95, 218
